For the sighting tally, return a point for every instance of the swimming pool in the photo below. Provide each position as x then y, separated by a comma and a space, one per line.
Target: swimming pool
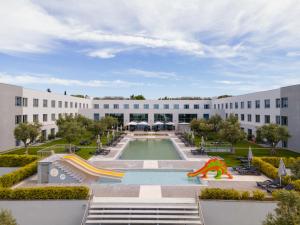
157, 177
150, 149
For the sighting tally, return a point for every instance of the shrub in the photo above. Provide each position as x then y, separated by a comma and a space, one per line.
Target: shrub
295, 168
16, 160
258, 195
18, 175
288, 161
230, 194
265, 167
296, 185
6, 218
85, 142
43, 193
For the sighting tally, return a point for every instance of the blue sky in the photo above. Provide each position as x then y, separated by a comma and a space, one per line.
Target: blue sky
154, 48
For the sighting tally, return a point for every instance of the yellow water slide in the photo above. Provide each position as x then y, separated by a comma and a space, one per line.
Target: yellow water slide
84, 165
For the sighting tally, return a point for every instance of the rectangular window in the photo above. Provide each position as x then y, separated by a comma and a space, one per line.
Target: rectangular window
226, 106
45, 117
278, 103
71, 104
156, 106
222, 106
206, 106
66, 104
146, 106
45, 103
196, 106
136, 106
79, 105
206, 116
267, 103
126, 106
25, 102
25, 119
18, 119
96, 106
236, 105
249, 104
278, 121
35, 118
35, 102
106, 106
75, 105
186, 106
267, 119
166, 106
242, 117
218, 106
59, 104
96, 116
18, 101
284, 102
53, 103
257, 104
249, 117
53, 116
230, 105
284, 120
176, 106
242, 105
116, 106
215, 106
257, 118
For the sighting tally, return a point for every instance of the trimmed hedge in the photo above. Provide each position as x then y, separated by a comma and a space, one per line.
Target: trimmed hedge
16, 160
288, 161
230, 194
44, 193
10, 179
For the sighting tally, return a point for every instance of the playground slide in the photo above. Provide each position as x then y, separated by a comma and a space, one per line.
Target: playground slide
88, 168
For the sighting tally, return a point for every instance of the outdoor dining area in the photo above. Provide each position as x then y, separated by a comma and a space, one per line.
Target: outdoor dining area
145, 126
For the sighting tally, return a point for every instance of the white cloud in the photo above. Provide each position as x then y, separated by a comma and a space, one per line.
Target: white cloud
152, 74
293, 54
105, 53
228, 82
30, 79
201, 28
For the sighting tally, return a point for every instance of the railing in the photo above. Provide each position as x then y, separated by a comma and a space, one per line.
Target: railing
86, 211
200, 212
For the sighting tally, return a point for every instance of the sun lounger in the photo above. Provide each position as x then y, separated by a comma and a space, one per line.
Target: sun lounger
268, 183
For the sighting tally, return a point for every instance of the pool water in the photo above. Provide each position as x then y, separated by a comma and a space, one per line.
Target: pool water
150, 149
155, 178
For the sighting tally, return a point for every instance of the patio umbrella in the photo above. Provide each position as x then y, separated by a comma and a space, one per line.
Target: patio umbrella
143, 123
121, 128
132, 123
281, 170
113, 134
158, 123
202, 142
250, 156
107, 137
99, 144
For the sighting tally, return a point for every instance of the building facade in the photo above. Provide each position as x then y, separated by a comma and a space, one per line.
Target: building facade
281, 106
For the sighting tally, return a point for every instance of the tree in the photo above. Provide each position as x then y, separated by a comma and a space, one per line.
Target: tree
71, 131
137, 97
216, 122
231, 132
27, 133
201, 127
287, 211
6, 218
274, 133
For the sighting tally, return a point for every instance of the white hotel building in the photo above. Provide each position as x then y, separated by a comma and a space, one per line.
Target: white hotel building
18, 104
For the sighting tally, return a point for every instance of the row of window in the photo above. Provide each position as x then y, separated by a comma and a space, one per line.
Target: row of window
279, 103
20, 101
35, 117
147, 106
282, 120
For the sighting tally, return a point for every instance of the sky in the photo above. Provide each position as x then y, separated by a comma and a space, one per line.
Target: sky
156, 48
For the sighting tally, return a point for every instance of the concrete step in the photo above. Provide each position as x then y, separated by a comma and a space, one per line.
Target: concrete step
137, 211
103, 222
142, 206
150, 216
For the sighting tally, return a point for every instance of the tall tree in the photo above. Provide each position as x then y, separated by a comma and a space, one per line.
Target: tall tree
274, 133
231, 131
27, 133
287, 211
6, 218
216, 121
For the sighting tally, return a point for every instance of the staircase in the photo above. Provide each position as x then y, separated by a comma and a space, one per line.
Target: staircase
72, 172
104, 211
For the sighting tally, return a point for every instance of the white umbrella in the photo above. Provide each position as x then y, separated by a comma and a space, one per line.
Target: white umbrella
132, 123
113, 134
143, 123
121, 128
107, 137
170, 123
250, 155
281, 170
158, 123
202, 142
99, 144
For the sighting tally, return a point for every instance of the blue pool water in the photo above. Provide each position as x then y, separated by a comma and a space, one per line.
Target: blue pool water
155, 178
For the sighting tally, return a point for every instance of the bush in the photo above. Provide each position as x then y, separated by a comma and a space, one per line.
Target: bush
258, 195
288, 161
296, 185
18, 175
295, 168
16, 160
43, 193
265, 167
6, 218
85, 142
230, 194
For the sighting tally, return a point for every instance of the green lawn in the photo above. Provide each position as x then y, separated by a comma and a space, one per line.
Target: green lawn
241, 149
